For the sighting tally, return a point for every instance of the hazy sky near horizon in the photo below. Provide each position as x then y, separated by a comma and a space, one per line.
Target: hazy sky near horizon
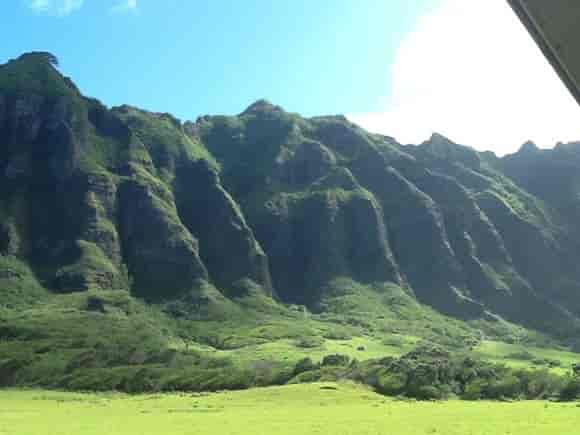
463, 68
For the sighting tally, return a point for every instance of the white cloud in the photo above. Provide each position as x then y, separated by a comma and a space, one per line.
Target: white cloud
123, 6
471, 72
59, 8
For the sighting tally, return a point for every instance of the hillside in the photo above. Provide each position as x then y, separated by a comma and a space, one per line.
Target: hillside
242, 230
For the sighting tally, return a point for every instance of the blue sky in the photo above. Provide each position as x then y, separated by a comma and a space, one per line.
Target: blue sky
193, 57
406, 68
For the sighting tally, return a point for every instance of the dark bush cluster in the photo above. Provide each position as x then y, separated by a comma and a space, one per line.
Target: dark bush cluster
309, 342
143, 372
436, 374
432, 373
335, 360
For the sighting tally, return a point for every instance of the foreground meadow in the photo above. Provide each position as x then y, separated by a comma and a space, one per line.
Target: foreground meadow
295, 409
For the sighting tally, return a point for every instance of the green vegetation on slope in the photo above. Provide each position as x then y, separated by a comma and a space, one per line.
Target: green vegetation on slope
18, 286
35, 73
106, 340
265, 243
163, 137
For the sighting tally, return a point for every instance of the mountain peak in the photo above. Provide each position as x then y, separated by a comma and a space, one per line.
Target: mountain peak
444, 148
35, 73
39, 57
437, 138
528, 147
261, 106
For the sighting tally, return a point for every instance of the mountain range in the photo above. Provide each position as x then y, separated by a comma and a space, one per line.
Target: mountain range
297, 211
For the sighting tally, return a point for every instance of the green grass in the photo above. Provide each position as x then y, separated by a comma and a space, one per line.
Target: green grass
290, 350
163, 136
506, 353
45, 338
90, 262
18, 285
337, 409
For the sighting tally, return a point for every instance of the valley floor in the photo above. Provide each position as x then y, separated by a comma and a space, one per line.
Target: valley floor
337, 409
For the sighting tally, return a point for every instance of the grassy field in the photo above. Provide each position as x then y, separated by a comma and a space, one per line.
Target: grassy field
296, 409
523, 356
360, 348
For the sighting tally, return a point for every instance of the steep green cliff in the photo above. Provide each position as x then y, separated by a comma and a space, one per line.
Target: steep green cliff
272, 204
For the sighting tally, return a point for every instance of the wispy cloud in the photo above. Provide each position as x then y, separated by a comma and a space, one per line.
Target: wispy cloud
471, 72
124, 6
60, 8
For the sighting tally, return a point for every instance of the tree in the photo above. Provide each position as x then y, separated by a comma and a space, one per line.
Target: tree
304, 365
571, 390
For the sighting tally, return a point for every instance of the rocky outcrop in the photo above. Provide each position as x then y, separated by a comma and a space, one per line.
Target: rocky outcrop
41, 135
9, 238
161, 254
417, 233
314, 238
304, 164
227, 244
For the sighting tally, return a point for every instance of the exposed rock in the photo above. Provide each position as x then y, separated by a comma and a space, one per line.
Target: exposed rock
308, 162
261, 106
326, 234
417, 233
438, 147
9, 239
100, 207
161, 254
228, 247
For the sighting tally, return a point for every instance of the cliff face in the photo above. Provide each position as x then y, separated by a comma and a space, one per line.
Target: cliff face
92, 197
99, 198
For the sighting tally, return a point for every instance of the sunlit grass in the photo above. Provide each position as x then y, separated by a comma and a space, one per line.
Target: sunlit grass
296, 409
500, 352
360, 348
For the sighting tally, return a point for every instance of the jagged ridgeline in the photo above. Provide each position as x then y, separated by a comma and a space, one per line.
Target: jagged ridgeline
273, 203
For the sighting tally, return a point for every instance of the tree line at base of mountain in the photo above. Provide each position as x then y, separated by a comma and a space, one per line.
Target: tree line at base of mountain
431, 373
427, 373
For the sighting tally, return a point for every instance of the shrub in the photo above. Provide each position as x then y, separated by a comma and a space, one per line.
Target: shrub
523, 355
309, 342
429, 392
9, 368
304, 365
473, 390
571, 389
539, 384
96, 304
391, 384
337, 334
393, 341
335, 360
506, 387
307, 377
